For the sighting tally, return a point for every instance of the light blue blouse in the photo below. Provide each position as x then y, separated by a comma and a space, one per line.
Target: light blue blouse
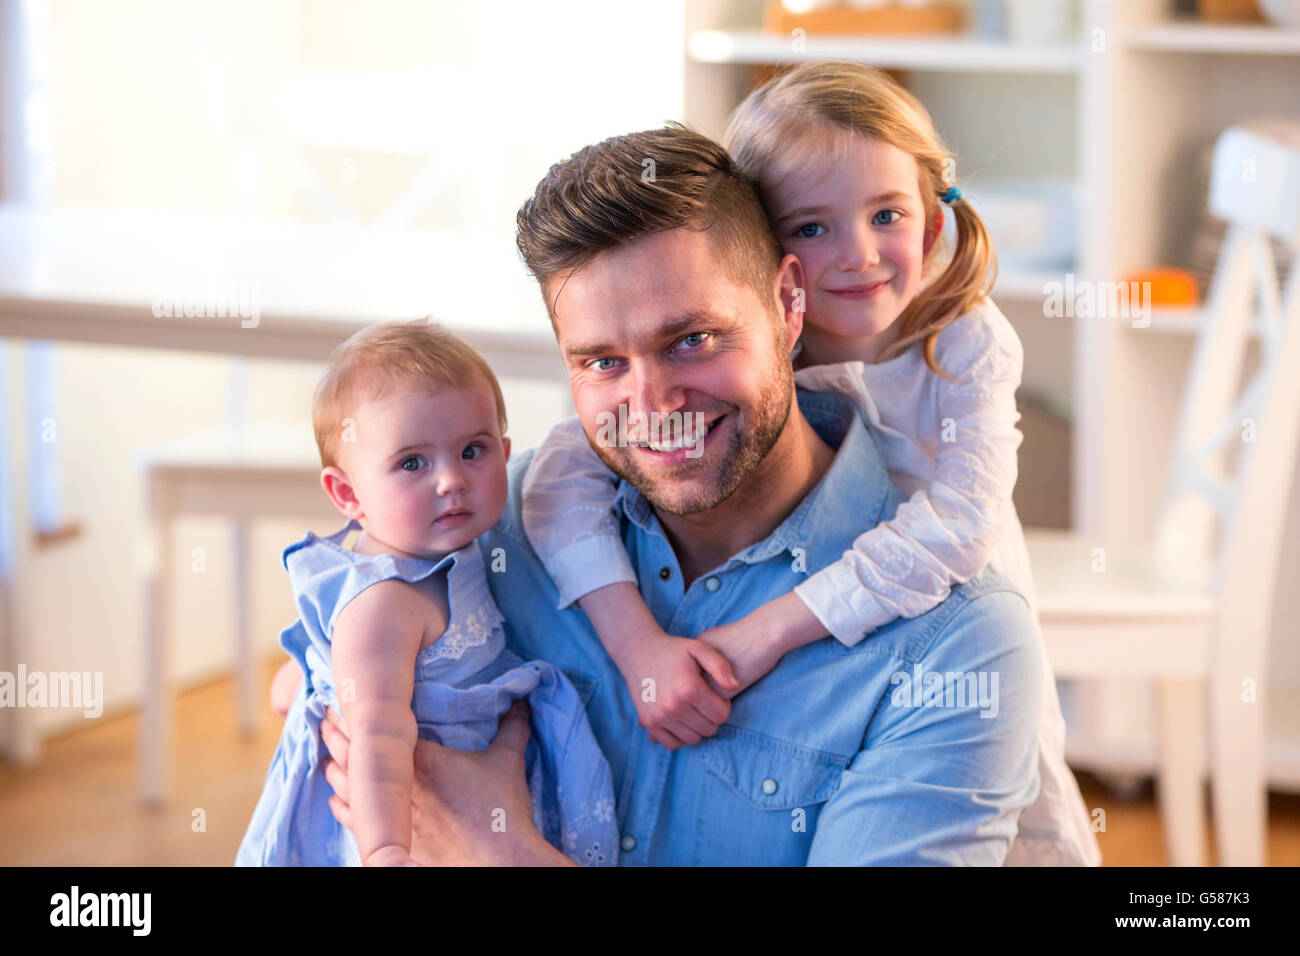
464, 683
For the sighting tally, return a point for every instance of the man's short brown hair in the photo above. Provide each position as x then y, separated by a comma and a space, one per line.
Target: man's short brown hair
629, 187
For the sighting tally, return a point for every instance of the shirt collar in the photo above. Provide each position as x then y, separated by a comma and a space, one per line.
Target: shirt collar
856, 479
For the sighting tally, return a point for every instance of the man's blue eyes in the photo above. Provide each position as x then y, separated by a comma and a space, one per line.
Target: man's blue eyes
693, 339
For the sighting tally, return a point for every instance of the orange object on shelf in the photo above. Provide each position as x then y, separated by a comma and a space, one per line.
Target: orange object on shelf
888, 18
1170, 288
1225, 11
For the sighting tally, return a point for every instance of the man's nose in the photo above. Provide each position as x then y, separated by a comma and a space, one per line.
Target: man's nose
857, 250
656, 388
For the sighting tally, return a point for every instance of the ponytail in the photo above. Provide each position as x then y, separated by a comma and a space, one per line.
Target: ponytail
967, 280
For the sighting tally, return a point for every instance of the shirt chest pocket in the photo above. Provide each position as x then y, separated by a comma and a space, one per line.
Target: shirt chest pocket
759, 798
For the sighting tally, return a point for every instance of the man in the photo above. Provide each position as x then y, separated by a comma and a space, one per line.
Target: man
918, 745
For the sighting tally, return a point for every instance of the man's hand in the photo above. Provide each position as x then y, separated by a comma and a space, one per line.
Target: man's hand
669, 679
467, 808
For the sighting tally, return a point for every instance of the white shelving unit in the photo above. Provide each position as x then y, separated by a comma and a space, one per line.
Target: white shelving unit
942, 53
1123, 112
1194, 37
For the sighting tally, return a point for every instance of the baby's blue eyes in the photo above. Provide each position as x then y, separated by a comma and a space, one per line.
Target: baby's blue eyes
803, 233
470, 452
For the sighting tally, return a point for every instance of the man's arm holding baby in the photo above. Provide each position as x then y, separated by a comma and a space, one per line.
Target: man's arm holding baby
449, 790
457, 796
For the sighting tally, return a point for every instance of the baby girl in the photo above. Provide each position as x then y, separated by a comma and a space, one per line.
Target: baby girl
399, 630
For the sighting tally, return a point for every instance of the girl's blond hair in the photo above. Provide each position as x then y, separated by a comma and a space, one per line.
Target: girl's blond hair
791, 120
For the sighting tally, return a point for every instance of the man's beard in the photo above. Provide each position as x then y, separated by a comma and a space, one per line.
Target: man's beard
735, 463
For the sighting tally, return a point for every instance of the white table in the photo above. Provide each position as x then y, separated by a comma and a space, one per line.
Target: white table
100, 278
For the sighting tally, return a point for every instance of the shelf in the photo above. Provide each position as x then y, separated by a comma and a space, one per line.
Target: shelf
1180, 322
945, 54
1194, 37
1026, 283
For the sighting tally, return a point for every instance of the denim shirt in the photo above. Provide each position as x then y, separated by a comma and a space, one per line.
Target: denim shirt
880, 753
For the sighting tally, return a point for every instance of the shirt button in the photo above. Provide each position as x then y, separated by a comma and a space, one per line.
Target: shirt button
627, 844
665, 573
712, 584
769, 786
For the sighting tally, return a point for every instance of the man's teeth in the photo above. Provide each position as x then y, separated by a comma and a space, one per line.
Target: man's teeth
685, 441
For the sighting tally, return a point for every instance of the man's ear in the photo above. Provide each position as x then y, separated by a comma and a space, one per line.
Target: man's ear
791, 296
932, 232
339, 488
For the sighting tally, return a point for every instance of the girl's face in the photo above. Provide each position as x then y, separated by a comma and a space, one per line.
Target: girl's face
858, 225
426, 474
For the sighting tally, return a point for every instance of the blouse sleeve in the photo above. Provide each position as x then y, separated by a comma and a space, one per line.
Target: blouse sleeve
568, 514
945, 533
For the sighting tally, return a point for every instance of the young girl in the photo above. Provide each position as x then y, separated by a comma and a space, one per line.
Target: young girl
854, 180
400, 630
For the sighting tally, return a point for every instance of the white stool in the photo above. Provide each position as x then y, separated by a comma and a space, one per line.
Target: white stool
237, 474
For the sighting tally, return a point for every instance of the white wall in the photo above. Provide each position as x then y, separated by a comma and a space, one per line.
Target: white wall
140, 93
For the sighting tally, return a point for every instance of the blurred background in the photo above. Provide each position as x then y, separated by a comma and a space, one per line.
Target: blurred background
200, 200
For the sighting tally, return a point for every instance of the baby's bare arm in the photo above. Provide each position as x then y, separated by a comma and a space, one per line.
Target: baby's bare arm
375, 643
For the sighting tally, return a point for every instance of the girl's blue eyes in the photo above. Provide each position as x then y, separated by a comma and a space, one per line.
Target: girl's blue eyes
803, 233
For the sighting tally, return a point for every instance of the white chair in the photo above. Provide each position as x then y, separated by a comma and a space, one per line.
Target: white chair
1188, 612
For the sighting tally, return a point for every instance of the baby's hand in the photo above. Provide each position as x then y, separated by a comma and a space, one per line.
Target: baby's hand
675, 700
390, 856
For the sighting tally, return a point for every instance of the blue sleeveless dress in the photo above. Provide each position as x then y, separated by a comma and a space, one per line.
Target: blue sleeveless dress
464, 682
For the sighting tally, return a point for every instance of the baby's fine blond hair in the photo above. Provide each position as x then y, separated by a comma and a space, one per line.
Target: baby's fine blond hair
417, 354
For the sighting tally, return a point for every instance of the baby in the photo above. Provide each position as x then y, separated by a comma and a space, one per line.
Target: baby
400, 631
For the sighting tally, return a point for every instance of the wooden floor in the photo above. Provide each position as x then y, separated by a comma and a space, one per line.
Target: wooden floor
78, 805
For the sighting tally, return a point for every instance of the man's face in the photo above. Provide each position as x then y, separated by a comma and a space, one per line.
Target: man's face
659, 328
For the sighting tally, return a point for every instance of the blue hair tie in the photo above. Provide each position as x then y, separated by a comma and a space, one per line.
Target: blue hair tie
951, 196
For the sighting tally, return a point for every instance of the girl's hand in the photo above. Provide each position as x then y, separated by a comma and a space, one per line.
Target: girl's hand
758, 641
673, 682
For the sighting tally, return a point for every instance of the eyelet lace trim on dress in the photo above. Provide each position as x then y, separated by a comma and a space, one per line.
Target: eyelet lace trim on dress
470, 630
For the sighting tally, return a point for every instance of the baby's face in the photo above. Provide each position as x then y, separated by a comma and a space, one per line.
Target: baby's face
428, 469
858, 226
